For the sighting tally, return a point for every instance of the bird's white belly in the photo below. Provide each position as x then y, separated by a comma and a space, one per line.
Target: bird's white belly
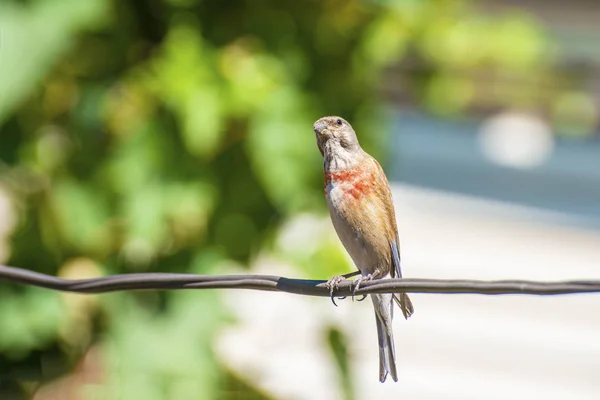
349, 235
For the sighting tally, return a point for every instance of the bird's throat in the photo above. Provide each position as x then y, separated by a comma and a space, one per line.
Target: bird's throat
336, 158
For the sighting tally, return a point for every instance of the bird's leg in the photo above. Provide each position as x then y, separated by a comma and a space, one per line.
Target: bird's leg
359, 280
334, 283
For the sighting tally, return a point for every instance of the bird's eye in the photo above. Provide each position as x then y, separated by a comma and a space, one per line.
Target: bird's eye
339, 122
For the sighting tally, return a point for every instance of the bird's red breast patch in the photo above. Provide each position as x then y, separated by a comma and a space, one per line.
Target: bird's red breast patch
356, 182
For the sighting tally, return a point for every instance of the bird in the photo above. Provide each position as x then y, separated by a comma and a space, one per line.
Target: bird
360, 205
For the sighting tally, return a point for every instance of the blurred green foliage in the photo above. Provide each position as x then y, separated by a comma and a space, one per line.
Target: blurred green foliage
175, 136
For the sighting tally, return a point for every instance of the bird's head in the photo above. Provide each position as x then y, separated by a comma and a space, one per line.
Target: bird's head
335, 134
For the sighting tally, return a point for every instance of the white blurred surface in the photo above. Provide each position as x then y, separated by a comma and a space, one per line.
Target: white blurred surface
516, 140
455, 346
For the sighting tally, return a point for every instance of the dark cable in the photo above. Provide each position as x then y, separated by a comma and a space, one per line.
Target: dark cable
169, 281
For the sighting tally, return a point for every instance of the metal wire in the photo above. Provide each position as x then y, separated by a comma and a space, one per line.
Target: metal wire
168, 281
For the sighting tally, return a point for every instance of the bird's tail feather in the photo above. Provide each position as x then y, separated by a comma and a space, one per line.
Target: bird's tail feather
383, 317
405, 304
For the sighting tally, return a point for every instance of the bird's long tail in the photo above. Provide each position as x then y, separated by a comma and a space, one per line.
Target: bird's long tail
384, 309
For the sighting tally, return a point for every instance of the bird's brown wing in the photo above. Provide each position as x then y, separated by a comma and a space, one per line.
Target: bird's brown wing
401, 299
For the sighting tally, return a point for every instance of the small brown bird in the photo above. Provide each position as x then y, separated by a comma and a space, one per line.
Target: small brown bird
361, 209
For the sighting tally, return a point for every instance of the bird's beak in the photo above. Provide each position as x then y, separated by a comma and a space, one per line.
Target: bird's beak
319, 127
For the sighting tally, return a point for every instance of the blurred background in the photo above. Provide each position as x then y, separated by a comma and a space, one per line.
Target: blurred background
176, 136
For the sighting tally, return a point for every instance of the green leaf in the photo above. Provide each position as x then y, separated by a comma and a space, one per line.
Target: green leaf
283, 152
33, 39
81, 215
184, 77
29, 321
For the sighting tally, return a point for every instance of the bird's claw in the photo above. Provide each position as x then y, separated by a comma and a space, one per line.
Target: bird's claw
359, 280
334, 284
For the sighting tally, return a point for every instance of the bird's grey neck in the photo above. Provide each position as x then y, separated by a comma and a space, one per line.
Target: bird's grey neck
336, 158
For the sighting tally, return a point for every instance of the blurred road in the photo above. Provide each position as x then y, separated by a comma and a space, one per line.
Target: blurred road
447, 155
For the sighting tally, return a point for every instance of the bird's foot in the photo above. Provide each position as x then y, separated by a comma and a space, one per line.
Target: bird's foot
334, 284
359, 280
